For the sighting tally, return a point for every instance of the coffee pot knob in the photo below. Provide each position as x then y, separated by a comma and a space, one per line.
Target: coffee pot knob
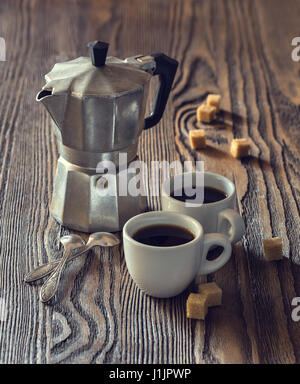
98, 51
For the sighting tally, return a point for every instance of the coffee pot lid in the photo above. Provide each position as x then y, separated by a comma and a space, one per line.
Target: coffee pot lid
97, 75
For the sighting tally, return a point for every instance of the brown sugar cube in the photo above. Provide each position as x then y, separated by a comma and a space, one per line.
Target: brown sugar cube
212, 292
197, 138
240, 148
214, 101
272, 249
206, 113
196, 306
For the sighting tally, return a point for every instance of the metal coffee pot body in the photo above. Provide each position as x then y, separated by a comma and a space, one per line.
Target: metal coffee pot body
97, 104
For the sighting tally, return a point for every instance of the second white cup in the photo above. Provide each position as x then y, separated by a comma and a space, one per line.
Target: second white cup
214, 217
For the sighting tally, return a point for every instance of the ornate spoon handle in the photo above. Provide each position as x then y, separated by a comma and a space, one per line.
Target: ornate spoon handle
46, 269
50, 286
41, 271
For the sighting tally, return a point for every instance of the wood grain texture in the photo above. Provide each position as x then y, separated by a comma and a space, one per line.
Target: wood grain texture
240, 49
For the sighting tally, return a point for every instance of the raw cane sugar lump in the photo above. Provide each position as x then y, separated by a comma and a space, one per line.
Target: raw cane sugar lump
196, 306
214, 101
197, 138
240, 148
212, 292
206, 113
272, 249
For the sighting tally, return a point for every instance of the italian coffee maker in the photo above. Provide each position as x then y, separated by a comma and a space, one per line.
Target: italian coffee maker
97, 104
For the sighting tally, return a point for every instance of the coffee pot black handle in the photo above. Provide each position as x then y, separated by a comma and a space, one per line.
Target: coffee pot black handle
166, 70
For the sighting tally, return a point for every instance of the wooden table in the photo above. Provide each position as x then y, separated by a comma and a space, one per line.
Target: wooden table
240, 49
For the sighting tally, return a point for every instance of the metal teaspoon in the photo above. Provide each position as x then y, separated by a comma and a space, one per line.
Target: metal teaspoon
104, 239
50, 286
44, 269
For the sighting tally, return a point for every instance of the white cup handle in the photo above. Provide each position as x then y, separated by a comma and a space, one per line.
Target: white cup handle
236, 228
211, 240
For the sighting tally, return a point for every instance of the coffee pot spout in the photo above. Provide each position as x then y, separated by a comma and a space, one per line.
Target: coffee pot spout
54, 103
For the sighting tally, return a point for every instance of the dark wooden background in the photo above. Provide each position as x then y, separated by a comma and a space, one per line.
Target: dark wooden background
239, 48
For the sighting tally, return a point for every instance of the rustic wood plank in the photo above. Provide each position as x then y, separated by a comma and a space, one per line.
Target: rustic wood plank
240, 49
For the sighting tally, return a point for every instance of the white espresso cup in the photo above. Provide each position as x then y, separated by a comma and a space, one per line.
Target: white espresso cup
218, 216
167, 271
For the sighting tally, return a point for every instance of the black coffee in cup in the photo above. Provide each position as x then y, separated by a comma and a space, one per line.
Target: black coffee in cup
163, 235
211, 195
